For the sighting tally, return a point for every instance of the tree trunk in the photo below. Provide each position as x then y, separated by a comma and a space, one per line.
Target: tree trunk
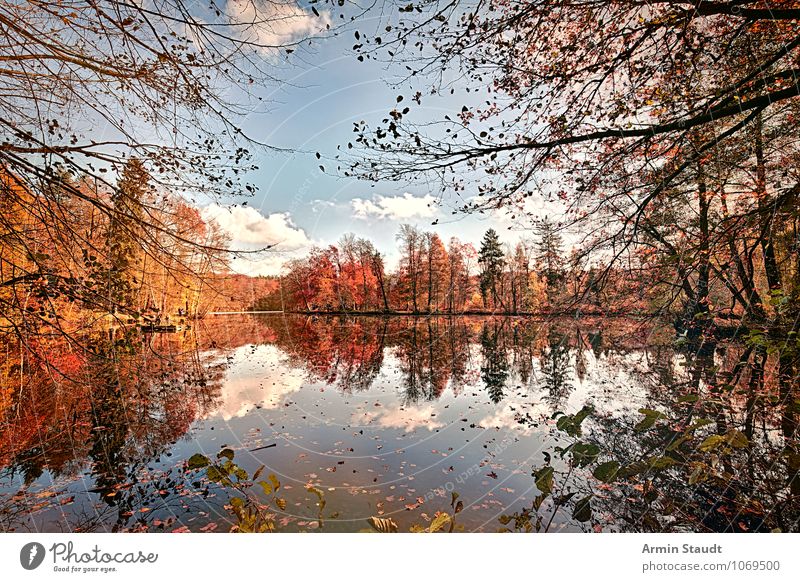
766, 213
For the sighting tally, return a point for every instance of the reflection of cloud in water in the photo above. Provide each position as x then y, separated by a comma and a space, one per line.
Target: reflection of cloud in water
613, 384
506, 417
256, 375
407, 418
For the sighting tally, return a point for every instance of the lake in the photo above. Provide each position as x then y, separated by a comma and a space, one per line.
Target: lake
558, 425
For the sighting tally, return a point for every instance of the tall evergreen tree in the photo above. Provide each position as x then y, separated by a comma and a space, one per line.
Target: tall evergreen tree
125, 235
491, 259
494, 371
549, 254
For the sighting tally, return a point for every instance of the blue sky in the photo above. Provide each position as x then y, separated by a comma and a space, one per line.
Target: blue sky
325, 90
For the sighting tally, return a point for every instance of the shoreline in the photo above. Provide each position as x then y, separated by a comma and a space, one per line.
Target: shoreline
470, 313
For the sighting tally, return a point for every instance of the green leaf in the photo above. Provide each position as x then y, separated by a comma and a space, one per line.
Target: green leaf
571, 424
214, 474
649, 420
562, 499
645, 424
544, 480
712, 442
238, 505
274, 480
676, 444
198, 461
606, 472
227, 453
564, 423
266, 487
583, 509
581, 415
584, 454
659, 463
737, 439
632, 469
439, 522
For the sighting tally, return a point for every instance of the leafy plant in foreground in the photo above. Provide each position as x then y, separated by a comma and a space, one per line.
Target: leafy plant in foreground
252, 515
440, 521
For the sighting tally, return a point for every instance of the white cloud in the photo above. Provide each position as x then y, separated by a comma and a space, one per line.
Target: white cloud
247, 226
408, 418
273, 23
395, 207
260, 264
248, 383
505, 417
250, 230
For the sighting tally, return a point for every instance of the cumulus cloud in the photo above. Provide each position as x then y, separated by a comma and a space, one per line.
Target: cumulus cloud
395, 207
274, 23
505, 417
247, 226
247, 383
267, 264
408, 419
250, 230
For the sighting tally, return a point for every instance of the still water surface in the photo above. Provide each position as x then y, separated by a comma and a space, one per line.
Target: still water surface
388, 417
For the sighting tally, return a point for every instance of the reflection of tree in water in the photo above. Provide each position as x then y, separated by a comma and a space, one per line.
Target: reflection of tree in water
360, 358
348, 352
412, 365
494, 368
789, 398
522, 351
431, 353
556, 369
596, 341
343, 351
116, 410
457, 344
661, 362
109, 418
116, 405
709, 485
581, 365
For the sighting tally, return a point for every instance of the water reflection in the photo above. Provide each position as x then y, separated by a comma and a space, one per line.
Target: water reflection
385, 413
494, 369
